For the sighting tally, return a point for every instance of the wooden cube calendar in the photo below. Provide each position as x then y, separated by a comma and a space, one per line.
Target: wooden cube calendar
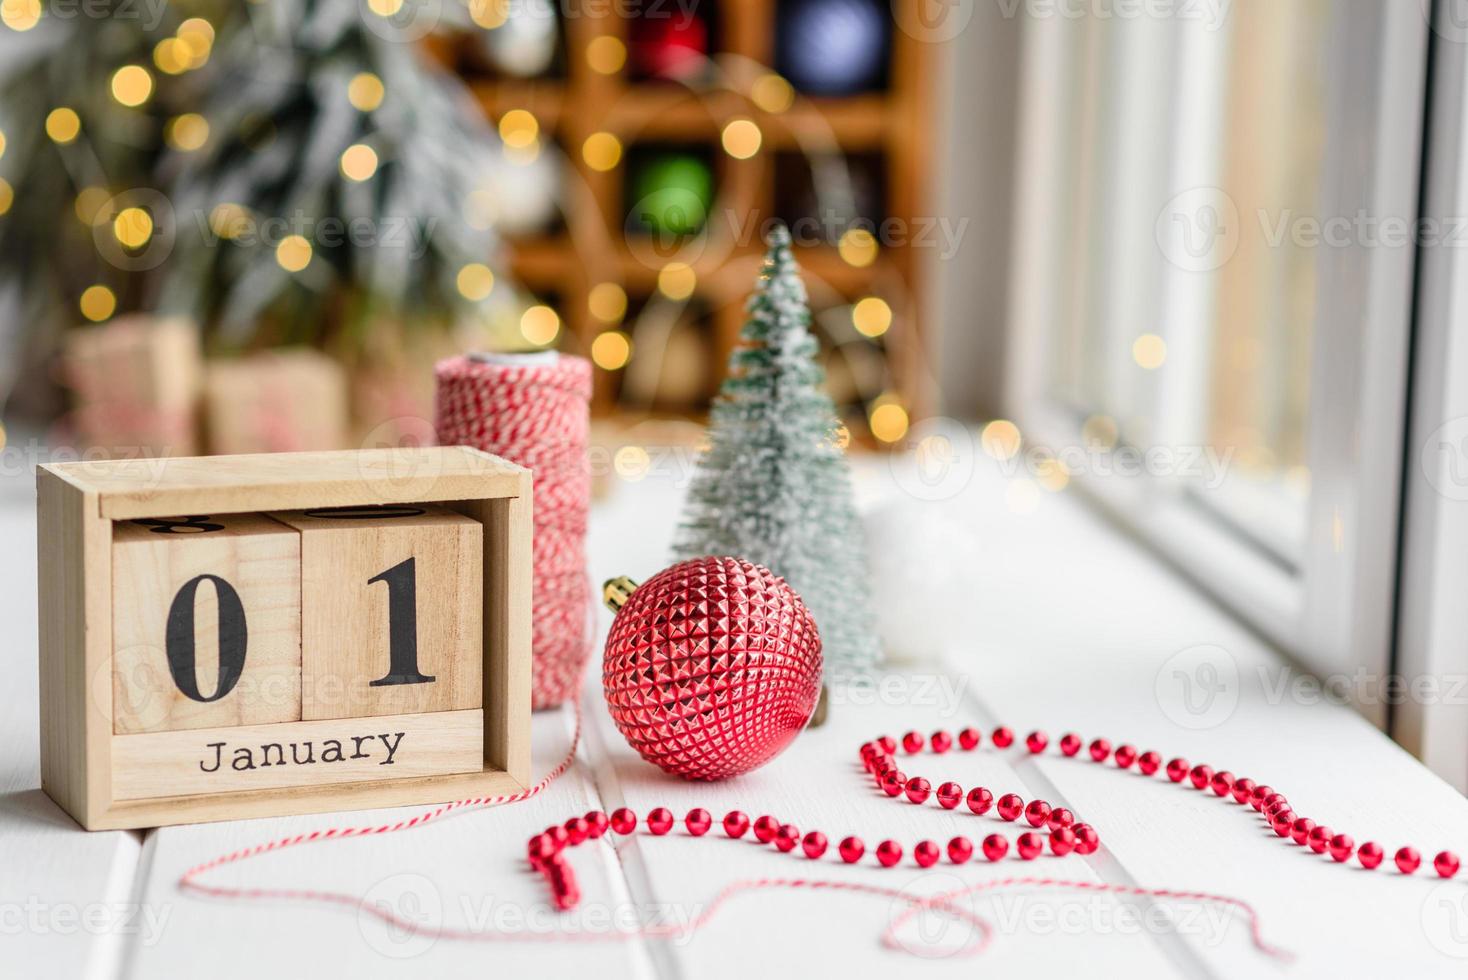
243, 636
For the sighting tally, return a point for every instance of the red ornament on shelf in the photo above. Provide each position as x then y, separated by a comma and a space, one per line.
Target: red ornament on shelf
712, 666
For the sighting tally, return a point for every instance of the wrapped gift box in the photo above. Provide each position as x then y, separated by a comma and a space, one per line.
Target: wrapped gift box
135, 385
292, 400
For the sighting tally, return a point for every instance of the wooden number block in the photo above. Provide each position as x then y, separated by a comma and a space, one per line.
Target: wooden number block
206, 623
392, 610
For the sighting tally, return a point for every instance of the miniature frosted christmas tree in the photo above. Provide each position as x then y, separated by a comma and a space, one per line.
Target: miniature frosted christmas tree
773, 486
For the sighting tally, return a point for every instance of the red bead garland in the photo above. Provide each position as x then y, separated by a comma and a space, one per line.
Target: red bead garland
1064, 834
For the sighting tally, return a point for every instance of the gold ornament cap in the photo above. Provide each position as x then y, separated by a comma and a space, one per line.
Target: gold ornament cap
616, 591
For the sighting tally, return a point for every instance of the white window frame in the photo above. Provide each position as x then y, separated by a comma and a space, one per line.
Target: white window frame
1334, 611
1432, 634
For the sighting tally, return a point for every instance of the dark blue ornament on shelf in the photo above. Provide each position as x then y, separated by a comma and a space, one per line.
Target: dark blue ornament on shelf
833, 47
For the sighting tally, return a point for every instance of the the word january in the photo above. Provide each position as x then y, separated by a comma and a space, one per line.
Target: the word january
299, 753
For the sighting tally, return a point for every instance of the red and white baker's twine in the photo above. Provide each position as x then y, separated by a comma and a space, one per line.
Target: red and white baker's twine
547, 851
536, 415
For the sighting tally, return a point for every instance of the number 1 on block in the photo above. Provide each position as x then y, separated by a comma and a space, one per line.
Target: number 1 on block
391, 610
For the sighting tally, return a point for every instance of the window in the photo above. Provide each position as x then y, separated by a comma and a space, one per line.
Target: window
1215, 254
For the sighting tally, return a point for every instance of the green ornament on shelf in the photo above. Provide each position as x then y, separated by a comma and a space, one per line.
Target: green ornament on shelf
672, 194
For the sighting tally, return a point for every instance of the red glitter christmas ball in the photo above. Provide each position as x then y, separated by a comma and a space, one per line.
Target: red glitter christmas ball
712, 667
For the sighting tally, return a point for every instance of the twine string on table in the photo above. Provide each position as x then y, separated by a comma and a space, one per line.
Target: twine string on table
945, 903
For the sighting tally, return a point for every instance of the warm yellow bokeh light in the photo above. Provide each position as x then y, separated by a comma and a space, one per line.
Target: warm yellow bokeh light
519, 128
97, 303
871, 316
489, 14
539, 325
365, 91
1051, 474
888, 420
196, 30
293, 253
475, 281
631, 462
132, 227
601, 151
188, 131
611, 350
741, 139
2, 143
63, 125
606, 54
677, 280
1099, 431
20, 15
384, 8
1001, 439
132, 85
7, 195
1149, 351
358, 162
228, 220
858, 247
607, 301
172, 56
90, 205
772, 93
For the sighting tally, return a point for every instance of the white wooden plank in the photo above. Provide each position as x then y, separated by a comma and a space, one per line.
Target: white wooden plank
466, 871
65, 895
817, 784
1106, 648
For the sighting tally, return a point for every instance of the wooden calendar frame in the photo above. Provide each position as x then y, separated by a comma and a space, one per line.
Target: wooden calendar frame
77, 504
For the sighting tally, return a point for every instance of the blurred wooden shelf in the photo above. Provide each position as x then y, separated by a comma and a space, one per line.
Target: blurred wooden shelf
892, 126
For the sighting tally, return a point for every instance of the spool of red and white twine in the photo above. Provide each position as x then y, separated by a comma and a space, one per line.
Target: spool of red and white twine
534, 410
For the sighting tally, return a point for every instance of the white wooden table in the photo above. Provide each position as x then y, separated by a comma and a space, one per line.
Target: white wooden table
1064, 625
